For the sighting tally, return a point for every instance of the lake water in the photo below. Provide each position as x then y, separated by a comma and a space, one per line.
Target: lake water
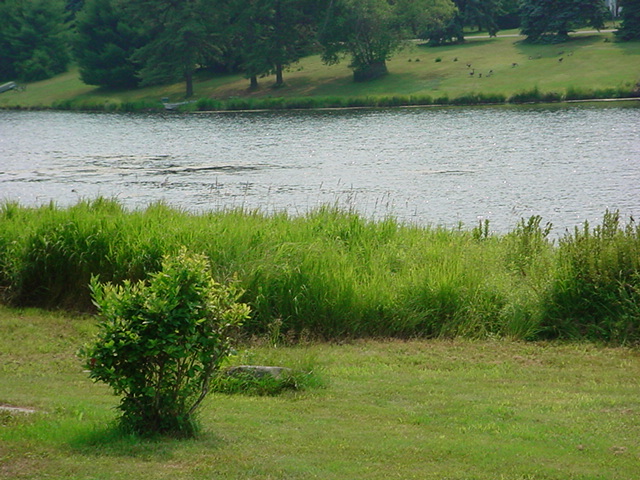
441, 166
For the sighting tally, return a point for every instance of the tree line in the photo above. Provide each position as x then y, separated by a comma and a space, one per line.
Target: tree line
126, 44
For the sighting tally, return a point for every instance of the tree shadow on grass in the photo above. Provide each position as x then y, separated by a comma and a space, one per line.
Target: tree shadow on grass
469, 42
551, 49
113, 441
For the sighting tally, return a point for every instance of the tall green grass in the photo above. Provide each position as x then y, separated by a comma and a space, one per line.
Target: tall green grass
333, 274
596, 290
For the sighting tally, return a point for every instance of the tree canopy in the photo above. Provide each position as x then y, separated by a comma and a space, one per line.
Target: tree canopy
366, 30
270, 35
481, 14
122, 44
182, 36
420, 17
552, 20
630, 25
33, 39
106, 39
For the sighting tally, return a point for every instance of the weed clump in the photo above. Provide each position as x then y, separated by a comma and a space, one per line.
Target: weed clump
595, 293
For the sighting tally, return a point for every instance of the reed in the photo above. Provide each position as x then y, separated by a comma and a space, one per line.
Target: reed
333, 274
596, 291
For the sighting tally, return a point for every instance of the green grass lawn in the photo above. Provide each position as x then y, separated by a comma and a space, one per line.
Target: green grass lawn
589, 61
388, 409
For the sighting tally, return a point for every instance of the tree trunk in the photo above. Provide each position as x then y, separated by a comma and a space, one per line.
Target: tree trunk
371, 71
279, 77
254, 82
188, 78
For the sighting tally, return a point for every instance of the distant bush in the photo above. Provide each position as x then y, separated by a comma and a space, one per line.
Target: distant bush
533, 95
420, 100
478, 99
208, 104
574, 93
392, 101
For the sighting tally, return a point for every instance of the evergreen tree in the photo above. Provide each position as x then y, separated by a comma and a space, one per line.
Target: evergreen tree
33, 39
105, 40
544, 20
630, 26
183, 37
8, 29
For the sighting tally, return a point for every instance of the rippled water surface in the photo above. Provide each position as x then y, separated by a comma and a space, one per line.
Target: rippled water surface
429, 166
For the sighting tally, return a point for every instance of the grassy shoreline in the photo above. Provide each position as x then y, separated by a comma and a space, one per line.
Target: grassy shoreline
332, 274
505, 70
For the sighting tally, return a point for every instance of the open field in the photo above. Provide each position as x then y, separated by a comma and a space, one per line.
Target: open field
590, 62
387, 409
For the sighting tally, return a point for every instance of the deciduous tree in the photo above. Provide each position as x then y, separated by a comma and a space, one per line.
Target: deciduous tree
482, 14
366, 30
270, 35
423, 16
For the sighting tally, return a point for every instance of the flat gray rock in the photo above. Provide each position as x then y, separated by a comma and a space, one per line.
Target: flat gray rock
258, 371
9, 408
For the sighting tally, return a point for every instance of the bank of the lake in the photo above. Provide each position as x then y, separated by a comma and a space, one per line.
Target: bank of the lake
482, 70
331, 274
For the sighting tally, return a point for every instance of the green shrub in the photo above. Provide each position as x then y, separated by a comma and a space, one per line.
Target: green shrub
247, 383
161, 341
420, 100
533, 95
392, 101
207, 104
574, 93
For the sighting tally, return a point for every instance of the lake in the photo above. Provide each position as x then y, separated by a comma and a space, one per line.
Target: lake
438, 166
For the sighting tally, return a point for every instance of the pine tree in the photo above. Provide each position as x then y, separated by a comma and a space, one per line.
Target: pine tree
552, 20
33, 39
630, 26
105, 40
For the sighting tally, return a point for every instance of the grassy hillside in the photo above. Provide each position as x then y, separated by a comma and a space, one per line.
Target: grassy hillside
502, 66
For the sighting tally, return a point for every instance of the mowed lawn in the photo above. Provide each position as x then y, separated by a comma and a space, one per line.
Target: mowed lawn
423, 409
504, 65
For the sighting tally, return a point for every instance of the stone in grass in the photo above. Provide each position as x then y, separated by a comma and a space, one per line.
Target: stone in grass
12, 409
258, 371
